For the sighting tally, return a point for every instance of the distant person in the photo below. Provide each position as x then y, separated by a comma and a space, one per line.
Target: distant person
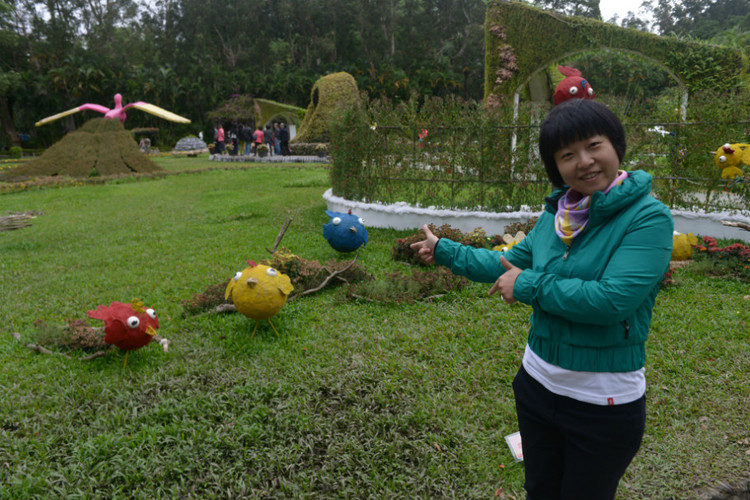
268, 138
234, 138
247, 137
276, 140
284, 139
220, 139
258, 138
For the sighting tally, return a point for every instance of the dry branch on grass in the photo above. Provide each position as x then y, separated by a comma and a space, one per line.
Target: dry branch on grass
164, 342
280, 236
17, 220
42, 350
334, 274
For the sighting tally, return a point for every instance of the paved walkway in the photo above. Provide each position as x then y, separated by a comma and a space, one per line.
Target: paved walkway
270, 159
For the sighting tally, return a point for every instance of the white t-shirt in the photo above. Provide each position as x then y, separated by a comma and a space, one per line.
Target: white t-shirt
599, 388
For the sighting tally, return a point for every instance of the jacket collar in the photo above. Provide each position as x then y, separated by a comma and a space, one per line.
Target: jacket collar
603, 206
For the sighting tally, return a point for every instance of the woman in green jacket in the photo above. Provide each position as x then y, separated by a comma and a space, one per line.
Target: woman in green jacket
590, 269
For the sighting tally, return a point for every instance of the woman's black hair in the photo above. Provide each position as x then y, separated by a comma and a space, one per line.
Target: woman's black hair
576, 120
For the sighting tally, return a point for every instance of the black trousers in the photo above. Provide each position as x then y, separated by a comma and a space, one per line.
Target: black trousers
574, 450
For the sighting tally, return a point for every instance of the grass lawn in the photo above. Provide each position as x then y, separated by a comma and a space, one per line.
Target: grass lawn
354, 399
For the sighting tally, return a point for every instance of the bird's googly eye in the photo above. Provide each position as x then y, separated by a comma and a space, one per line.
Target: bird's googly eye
727, 145
133, 322
573, 90
237, 275
336, 221
722, 159
361, 221
591, 91
271, 272
151, 313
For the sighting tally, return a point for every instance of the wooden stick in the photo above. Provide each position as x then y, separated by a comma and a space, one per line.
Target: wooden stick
163, 341
740, 225
280, 236
328, 279
16, 220
362, 298
97, 354
42, 350
224, 308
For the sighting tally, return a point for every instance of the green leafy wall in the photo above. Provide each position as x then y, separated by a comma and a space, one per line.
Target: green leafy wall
520, 39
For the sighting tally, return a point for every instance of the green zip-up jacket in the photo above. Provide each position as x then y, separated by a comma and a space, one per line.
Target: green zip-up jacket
592, 301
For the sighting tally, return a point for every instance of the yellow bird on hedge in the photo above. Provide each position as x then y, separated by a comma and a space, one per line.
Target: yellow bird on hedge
259, 292
730, 158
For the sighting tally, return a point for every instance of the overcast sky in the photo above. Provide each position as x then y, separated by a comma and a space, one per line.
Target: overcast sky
619, 7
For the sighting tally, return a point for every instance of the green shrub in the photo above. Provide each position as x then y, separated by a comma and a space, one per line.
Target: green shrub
16, 152
402, 250
76, 335
308, 148
399, 288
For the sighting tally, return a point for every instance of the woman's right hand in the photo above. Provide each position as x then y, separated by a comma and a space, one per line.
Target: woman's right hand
426, 248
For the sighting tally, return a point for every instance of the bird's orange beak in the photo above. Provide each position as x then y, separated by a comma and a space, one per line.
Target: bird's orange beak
150, 331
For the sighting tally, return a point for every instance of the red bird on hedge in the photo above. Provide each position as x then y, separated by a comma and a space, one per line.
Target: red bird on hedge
573, 86
127, 326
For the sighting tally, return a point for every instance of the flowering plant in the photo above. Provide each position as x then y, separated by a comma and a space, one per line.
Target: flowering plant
732, 259
422, 136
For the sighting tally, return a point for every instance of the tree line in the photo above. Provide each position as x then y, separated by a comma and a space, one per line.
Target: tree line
188, 56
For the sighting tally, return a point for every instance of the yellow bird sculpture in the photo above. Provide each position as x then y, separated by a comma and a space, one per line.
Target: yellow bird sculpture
682, 245
730, 158
259, 292
510, 241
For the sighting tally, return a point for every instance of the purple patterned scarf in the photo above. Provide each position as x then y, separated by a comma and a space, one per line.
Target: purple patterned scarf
573, 211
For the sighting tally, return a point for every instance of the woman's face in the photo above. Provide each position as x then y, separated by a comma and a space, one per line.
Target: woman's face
588, 165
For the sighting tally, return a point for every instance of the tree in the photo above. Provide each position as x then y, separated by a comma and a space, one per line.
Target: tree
581, 8
699, 18
10, 78
191, 55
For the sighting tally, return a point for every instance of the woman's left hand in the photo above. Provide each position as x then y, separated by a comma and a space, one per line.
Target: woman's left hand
506, 281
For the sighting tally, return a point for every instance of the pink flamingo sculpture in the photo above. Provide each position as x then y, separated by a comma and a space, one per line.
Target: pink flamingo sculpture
118, 111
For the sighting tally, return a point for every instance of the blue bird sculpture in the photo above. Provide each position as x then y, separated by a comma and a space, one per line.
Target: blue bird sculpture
345, 232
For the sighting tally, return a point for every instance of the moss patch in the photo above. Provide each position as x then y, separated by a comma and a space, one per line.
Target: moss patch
100, 147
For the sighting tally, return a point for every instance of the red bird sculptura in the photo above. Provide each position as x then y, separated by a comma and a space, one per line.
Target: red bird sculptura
127, 326
573, 86
118, 111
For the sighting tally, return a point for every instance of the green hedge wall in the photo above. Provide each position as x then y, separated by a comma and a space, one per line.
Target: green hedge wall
447, 154
520, 39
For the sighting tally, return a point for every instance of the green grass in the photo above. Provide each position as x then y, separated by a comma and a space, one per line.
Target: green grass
353, 399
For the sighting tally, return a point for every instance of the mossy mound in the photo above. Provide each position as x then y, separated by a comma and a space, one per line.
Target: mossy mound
100, 147
329, 93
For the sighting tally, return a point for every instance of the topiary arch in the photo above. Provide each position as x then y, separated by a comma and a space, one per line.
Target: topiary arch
522, 41
328, 93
